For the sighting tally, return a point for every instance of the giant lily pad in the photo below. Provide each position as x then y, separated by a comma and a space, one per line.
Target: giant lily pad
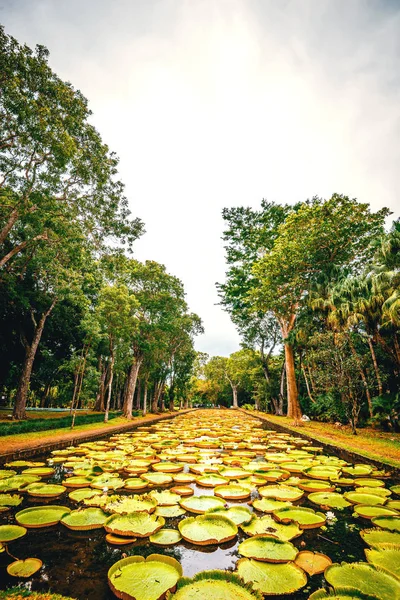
83, 494
386, 556
165, 497
387, 522
200, 504
136, 524
211, 480
358, 470
24, 568
41, 516
233, 491
272, 579
9, 533
368, 482
323, 472
218, 585
376, 537
369, 512
312, 563
281, 492
208, 529
364, 577
84, 519
267, 524
268, 505
329, 499
371, 499
166, 537
315, 485
129, 504
157, 478
170, 511
10, 500
135, 578
135, 484
238, 514
39, 471
45, 490
268, 548
307, 518
341, 594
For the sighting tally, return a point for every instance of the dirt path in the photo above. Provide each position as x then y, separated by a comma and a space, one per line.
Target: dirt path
25, 445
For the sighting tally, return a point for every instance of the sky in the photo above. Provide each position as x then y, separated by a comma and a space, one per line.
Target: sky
218, 103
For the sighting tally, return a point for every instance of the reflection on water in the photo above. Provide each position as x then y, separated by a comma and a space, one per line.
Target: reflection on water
76, 563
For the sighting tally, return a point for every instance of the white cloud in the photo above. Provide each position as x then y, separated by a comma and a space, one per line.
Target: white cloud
223, 102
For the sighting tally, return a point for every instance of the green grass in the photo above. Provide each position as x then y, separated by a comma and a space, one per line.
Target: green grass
19, 593
45, 424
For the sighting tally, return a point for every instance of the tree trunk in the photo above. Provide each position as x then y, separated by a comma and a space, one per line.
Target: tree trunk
130, 390
46, 391
145, 398
109, 389
25, 378
235, 396
156, 397
294, 410
99, 405
376, 367
307, 386
138, 394
282, 390
362, 374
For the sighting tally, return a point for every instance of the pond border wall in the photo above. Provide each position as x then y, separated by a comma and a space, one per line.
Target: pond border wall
347, 455
34, 448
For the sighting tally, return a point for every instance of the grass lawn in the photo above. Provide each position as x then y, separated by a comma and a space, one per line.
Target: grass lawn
5, 414
369, 442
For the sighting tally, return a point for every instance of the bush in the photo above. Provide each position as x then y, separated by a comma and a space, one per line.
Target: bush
248, 406
31, 425
386, 410
327, 408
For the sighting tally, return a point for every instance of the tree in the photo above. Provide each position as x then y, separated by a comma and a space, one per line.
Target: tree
317, 238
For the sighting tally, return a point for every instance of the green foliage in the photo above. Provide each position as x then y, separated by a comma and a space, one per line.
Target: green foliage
386, 410
56, 423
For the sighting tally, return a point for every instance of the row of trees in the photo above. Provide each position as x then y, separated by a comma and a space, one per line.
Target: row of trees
314, 292
81, 323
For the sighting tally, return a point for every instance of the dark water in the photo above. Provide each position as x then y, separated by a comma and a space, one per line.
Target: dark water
76, 563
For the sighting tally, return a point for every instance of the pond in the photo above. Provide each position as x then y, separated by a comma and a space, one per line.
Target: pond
228, 456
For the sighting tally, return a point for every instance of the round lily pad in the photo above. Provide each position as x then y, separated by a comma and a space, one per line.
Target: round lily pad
371, 499
41, 516
307, 518
182, 490
10, 500
238, 514
376, 537
266, 524
312, 563
368, 482
281, 492
218, 585
129, 504
323, 472
208, 529
395, 489
364, 577
135, 484
386, 557
170, 512
136, 578
9, 533
39, 471
315, 485
165, 497
77, 482
157, 478
268, 548
83, 493
268, 505
24, 568
117, 540
341, 594
85, 519
232, 491
358, 470
45, 490
200, 504
136, 524
369, 512
165, 537
272, 579
329, 499
387, 522
211, 480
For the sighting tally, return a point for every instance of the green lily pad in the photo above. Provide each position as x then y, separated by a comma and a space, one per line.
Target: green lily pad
218, 585
10, 500
364, 577
272, 579
281, 492
136, 524
77, 482
165, 537
41, 516
386, 556
268, 548
24, 568
387, 522
157, 478
6, 473
323, 472
9, 533
341, 594
369, 512
358, 470
368, 482
376, 491
266, 524
393, 504
371, 499
118, 540
125, 505
315, 485
39, 471
268, 505
12, 484
85, 519
135, 578
208, 529
232, 491
83, 494
170, 512
135, 484
238, 514
211, 480
376, 537
329, 499
107, 480
395, 489
45, 490
200, 504
307, 518
165, 497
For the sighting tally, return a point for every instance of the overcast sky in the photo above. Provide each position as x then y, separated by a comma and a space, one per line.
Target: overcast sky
213, 103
